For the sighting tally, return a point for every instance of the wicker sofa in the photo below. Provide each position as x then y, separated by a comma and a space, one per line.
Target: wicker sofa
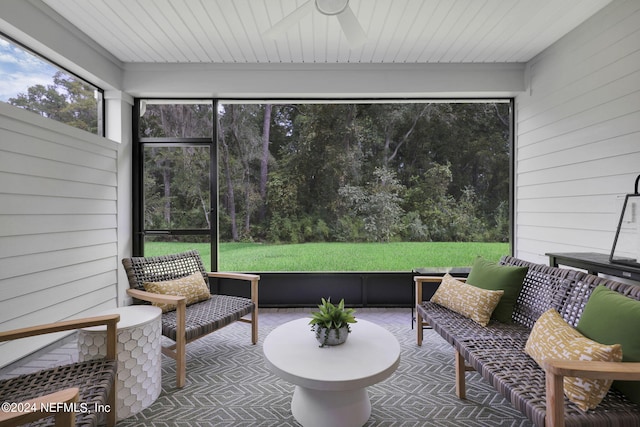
497, 351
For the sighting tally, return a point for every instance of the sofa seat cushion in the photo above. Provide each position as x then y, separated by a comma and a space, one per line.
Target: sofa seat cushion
94, 379
475, 303
207, 316
553, 338
193, 287
609, 318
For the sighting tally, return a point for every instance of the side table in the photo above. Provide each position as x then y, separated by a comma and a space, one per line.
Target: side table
139, 379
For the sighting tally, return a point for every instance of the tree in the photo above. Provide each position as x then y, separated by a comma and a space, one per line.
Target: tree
264, 160
323, 154
428, 201
396, 124
378, 203
241, 127
230, 192
67, 100
176, 187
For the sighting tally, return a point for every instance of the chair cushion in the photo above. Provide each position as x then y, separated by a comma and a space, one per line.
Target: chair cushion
493, 276
193, 287
207, 316
475, 303
610, 317
553, 338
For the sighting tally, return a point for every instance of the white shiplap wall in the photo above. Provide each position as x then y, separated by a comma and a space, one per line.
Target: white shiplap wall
578, 136
58, 224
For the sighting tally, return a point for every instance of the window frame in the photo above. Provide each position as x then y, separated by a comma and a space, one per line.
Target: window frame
138, 159
139, 144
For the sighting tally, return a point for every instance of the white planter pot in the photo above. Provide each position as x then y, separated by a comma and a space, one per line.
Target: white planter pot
336, 336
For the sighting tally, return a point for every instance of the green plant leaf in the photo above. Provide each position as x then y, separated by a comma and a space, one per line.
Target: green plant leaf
332, 316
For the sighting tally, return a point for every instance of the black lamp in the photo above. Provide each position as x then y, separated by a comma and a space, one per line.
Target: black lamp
626, 245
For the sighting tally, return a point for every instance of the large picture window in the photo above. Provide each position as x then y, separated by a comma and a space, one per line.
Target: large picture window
341, 186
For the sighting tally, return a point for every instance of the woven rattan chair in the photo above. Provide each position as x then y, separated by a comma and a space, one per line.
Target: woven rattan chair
64, 395
189, 323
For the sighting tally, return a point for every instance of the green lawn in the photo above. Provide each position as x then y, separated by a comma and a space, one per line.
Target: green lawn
402, 256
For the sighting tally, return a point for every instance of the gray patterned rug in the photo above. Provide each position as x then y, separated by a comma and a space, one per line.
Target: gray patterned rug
228, 383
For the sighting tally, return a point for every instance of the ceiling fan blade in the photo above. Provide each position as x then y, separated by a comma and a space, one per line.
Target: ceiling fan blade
290, 20
352, 29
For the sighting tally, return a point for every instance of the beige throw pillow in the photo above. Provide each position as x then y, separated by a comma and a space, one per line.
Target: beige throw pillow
475, 303
193, 287
553, 338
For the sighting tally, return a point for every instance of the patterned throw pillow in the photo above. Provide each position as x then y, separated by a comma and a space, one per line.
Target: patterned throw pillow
553, 338
493, 276
475, 303
193, 287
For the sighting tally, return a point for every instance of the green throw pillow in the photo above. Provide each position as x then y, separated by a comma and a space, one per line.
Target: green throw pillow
494, 277
612, 318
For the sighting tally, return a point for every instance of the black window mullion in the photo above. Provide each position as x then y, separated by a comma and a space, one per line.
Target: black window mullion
213, 180
137, 193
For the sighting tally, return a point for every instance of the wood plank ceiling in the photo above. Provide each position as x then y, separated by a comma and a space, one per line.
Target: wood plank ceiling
398, 31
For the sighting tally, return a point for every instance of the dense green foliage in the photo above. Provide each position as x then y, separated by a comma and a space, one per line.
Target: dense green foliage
302, 173
67, 100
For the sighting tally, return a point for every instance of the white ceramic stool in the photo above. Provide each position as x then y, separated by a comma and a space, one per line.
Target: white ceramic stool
139, 379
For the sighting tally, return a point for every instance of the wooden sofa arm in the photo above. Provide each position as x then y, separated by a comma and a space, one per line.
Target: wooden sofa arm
60, 404
420, 280
556, 370
624, 371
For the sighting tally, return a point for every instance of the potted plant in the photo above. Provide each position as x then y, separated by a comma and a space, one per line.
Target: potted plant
331, 323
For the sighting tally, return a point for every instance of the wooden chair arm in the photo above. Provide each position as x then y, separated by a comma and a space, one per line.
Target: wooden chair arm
253, 278
153, 297
623, 371
111, 320
236, 276
556, 370
42, 407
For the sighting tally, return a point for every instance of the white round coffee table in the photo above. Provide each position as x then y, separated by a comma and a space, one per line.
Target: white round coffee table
331, 381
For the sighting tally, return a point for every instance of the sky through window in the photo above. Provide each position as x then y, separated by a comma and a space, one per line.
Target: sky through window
20, 70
